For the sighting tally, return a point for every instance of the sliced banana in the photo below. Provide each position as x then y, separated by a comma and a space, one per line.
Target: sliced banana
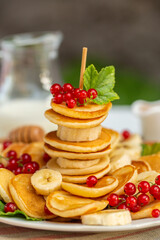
69, 171
104, 186
78, 134
83, 178
46, 181
66, 205
133, 140
5, 177
76, 164
119, 161
107, 218
147, 176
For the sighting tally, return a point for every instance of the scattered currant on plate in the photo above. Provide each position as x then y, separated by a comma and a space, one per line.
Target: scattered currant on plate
126, 134
70, 95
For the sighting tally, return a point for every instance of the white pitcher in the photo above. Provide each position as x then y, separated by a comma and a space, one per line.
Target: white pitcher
149, 114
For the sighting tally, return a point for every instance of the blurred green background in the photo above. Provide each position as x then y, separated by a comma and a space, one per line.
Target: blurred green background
130, 84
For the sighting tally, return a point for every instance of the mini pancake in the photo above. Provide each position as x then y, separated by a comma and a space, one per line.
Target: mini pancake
88, 111
148, 176
141, 166
66, 205
82, 179
104, 186
93, 169
26, 198
124, 174
115, 136
69, 122
91, 146
17, 147
5, 177
153, 160
36, 151
54, 152
146, 211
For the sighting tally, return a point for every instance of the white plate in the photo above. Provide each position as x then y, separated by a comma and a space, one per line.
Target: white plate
77, 227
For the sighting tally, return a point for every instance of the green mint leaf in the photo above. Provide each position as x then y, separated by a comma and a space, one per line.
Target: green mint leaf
17, 213
103, 82
90, 77
150, 149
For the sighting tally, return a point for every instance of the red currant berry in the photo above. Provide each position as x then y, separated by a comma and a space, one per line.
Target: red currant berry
136, 208
157, 196
123, 206
82, 94
12, 164
35, 165
58, 98
28, 168
71, 103
46, 157
113, 199
46, 210
18, 171
10, 207
6, 144
130, 188
92, 93
155, 213
143, 187
143, 199
55, 88
154, 190
76, 92
81, 101
91, 181
26, 158
67, 87
131, 201
126, 134
122, 197
11, 154
67, 96
157, 180
1, 165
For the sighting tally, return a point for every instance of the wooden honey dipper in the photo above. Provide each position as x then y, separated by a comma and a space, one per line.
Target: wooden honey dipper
27, 134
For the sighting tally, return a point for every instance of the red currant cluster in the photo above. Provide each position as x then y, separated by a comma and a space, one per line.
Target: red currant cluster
134, 201
23, 164
70, 95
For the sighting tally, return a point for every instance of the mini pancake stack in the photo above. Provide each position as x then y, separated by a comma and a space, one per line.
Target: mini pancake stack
80, 146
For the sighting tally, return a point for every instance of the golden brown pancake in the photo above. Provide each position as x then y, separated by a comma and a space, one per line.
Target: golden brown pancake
54, 152
17, 147
153, 160
141, 166
26, 198
91, 146
115, 136
88, 111
5, 177
103, 163
69, 122
104, 186
82, 179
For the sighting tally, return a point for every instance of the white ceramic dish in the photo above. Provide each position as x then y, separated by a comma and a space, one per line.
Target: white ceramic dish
77, 227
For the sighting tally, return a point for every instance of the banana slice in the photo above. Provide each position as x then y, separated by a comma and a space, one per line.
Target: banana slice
26, 198
108, 218
78, 134
83, 178
119, 161
64, 204
93, 169
76, 164
104, 186
147, 176
46, 181
146, 211
124, 174
5, 177
141, 166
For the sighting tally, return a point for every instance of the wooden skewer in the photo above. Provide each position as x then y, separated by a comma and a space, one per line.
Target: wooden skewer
83, 66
